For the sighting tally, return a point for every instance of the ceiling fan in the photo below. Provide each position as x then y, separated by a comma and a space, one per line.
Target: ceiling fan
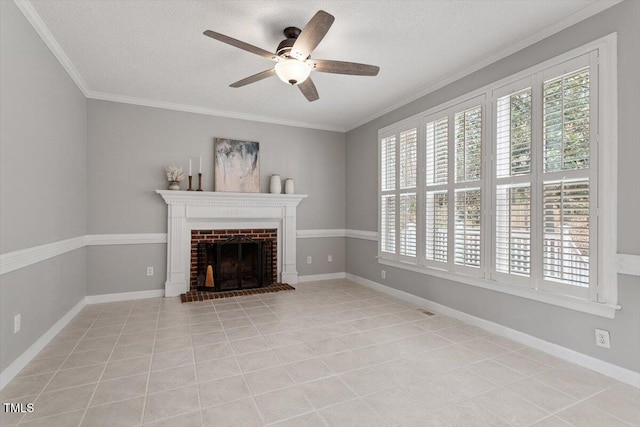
292, 57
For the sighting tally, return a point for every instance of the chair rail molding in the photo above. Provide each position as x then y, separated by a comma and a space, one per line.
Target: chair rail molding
15, 260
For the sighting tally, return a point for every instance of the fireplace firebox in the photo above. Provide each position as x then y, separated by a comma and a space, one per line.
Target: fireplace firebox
234, 264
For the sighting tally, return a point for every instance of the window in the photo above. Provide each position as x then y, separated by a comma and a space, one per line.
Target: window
388, 198
453, 233
503, 188
512, 185
398, 197
468, 166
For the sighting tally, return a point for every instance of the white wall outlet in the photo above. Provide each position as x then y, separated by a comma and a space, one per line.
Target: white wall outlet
308, 260
149, 271
330, 258
383, 274
602, 338
16, 323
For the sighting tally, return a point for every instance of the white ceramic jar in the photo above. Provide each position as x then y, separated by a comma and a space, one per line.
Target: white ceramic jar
275, 184
288, 186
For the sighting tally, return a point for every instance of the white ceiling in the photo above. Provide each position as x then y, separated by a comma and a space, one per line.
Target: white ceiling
154, 53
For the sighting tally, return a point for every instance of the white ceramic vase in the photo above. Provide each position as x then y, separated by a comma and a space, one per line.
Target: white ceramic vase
174, 185
275, 184
288, 186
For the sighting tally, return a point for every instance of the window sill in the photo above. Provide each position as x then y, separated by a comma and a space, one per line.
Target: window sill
572, 303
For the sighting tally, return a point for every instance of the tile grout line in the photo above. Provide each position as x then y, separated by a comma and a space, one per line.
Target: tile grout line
244, 378
61, 365
105, 368
153, 352
153, 348
195, 368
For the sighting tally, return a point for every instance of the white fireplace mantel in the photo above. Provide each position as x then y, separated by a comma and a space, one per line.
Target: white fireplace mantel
206, 210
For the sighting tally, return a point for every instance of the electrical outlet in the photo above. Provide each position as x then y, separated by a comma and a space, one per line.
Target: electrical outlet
308, 260
330, 258
149, 271
383, 274
602, 338
16, 323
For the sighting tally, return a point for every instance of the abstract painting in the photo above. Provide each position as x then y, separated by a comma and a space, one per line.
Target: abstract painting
237, 166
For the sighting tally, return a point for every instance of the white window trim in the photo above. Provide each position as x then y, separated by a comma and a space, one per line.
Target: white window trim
607, 186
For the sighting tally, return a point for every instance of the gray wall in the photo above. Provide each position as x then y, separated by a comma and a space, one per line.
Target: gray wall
564, 327
128, 147
43, 180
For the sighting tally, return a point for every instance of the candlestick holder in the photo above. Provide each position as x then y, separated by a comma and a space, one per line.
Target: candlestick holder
199, 182
190, 181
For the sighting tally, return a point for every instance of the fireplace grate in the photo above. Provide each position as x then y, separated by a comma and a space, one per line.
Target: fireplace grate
234, 264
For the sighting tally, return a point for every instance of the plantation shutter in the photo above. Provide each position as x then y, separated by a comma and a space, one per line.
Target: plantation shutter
512, 191
566, 232
437, 199
437, 226
566, 183
566, 122
388, 163
467, 228
388, 197
467, 205
513, 229
408, 203
468, 142
437, 151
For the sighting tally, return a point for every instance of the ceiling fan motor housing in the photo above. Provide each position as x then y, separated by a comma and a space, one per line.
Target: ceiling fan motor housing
291, 34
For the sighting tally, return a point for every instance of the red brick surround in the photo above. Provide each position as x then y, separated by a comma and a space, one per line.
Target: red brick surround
215, 236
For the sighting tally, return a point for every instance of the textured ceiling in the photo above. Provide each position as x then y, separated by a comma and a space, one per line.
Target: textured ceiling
153, 52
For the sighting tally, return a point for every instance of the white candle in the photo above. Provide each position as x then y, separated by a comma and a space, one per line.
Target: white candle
200, 164
189, 166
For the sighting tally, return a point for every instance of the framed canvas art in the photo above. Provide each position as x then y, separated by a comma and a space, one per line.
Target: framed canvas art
237, 166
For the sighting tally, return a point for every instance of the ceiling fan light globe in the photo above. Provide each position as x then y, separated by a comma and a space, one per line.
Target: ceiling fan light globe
292, 71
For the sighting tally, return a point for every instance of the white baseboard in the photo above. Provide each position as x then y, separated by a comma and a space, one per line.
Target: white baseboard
621, 374
124, 296
327, 276
23, 360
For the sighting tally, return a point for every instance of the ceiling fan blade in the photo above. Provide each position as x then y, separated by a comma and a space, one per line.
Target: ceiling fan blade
309, 90
242, 45
312, 34
340, 67
255, 78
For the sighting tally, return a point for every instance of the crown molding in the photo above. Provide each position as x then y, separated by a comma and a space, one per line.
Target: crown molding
209, 111
584, 13
45, 34
41, 28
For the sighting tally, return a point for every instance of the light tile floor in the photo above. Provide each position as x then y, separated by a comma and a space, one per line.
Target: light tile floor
330, 353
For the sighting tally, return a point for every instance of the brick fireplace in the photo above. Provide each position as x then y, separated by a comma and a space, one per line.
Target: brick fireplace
203, 211
262, 235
